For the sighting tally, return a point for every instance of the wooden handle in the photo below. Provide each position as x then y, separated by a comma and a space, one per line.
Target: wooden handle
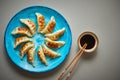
65, 69
79, 56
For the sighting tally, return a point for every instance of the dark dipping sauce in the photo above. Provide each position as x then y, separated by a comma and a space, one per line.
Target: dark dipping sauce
89, 40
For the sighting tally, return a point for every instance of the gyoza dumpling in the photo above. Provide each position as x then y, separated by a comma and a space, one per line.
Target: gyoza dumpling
40, 21
20, 40
22, 30
30, 57
50, 53
31, 25
56, 35
54, 44
25, 48
42, 56
50, 26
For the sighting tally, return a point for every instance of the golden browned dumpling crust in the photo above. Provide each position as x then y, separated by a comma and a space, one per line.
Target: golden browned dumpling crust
22, 30
54, 44
25, 48
30, 57
40, 21
42, 56
30, 24
21, 40
50, 53
56, 35
50, 26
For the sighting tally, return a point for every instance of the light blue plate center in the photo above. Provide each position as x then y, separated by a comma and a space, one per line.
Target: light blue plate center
38, 39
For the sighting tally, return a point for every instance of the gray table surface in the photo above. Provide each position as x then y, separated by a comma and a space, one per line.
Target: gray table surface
100, 16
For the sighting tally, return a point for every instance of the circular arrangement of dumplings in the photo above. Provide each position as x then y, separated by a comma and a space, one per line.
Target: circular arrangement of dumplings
26, 34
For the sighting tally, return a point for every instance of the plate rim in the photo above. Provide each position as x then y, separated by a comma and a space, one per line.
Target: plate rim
7, 52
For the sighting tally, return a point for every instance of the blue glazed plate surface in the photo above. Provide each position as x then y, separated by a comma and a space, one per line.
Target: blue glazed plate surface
38, 39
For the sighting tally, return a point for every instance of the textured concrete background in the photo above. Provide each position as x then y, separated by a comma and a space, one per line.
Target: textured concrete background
100, 16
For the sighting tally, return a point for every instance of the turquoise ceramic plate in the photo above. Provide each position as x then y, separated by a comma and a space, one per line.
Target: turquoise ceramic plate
38, 39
